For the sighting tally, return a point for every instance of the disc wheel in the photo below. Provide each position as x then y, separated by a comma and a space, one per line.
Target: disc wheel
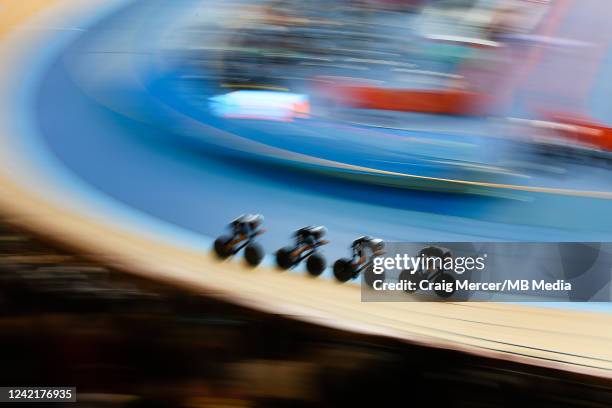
221, 248
315, 265
413, 278
343, 270
284, 260
253, 254
369, 277
445, 279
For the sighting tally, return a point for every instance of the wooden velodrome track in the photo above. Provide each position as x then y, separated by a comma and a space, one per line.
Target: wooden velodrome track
569, 340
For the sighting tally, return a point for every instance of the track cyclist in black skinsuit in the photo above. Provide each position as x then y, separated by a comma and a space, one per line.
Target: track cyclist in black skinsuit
243, 231
363, 251
307, 241
308, 238
247, 226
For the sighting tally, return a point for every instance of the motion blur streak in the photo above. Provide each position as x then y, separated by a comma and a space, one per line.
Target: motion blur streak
138, 96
